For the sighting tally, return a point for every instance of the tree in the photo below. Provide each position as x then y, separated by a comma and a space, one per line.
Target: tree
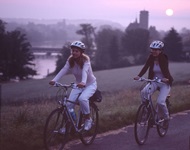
65, 53
2, 46
185, 34
114, 51
135, 43
173, 45
108, 50
153, 33
88, 31
16, 57
2, 27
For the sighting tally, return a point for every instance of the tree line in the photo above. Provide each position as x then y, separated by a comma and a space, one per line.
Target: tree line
111, 48
107, 47
15, 55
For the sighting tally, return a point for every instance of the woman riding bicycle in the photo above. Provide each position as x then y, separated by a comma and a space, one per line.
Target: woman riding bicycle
79, 65
157, 63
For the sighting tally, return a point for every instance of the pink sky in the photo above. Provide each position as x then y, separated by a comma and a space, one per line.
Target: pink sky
121, 11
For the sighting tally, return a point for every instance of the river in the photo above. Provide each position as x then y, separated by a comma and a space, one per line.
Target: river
44, 65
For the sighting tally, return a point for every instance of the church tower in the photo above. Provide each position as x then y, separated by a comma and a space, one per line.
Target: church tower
143, 22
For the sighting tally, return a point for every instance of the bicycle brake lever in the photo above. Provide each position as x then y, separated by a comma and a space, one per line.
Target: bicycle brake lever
141, 79
158, 80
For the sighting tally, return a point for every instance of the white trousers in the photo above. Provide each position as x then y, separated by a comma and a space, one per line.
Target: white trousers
83, 99
164, 90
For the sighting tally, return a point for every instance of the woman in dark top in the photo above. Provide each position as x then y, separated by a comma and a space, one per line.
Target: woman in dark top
157, 66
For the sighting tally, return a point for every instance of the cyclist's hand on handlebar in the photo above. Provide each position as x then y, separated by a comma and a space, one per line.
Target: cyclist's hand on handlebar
165, 80
81, 85
136, 78
52, 82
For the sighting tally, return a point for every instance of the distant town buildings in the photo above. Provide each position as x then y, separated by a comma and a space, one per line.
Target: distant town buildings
143, 21
144, 24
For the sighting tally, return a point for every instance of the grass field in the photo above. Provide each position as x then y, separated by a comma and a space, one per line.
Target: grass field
108, 81
26, 104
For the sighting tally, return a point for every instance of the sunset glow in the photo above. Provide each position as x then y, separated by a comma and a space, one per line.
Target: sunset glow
120, 11
169, 12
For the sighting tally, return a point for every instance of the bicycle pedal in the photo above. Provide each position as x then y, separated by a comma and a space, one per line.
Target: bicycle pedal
55, 131
61, 131
161, 120
81, 130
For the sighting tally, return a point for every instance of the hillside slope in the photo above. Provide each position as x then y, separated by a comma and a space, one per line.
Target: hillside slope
108, 81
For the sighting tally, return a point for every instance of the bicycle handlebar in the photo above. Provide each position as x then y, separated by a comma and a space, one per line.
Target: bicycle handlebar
66, 86
150, 80
71, 85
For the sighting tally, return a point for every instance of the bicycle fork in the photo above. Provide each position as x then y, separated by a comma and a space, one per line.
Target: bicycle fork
153, 117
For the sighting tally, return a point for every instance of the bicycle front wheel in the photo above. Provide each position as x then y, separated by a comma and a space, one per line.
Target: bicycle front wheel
56, 130
87, 137
141, 128
162, 128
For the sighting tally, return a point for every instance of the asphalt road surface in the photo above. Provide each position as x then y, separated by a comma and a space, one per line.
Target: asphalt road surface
177, 138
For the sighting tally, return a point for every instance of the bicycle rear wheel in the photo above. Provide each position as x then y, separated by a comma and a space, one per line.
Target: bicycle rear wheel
87, 137
141, 128
56, 130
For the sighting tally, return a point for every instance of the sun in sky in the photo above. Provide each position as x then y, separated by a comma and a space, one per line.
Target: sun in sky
169, 12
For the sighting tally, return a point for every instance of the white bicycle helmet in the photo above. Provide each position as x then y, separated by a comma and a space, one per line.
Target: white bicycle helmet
78, 44
157, 45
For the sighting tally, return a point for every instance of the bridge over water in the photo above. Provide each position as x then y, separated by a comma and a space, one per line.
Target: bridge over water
45, 51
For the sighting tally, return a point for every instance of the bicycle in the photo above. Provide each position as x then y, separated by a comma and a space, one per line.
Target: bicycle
147, 117
61, 125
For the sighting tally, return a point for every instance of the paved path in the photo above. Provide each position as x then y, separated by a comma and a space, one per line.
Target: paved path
177, 138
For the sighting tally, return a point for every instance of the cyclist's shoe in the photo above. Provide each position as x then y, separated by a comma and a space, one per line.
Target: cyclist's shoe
166, 122
160, 120
88, 124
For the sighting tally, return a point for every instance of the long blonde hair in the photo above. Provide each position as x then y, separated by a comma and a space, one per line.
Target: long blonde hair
80, 61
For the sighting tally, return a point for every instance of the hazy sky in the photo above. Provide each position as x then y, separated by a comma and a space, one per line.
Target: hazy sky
121, 11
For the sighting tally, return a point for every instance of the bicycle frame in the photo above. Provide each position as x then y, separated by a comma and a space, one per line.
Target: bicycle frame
60, 122
63, 104
153, 111
147, 116
150, 104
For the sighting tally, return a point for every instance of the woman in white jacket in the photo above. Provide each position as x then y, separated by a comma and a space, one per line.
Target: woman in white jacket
79, 65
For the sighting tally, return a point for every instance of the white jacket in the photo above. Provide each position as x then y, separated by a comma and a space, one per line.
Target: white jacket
84, 75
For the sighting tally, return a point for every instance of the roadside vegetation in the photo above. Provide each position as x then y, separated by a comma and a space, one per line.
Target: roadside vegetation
23, 119
22, 124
